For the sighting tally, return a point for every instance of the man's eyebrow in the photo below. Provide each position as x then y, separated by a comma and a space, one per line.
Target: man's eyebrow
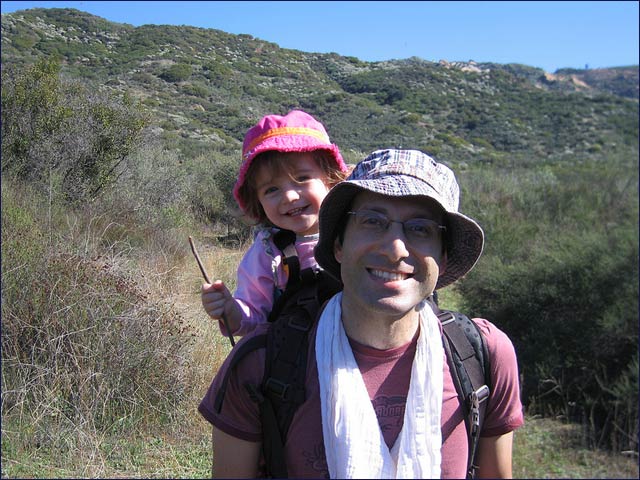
421, 213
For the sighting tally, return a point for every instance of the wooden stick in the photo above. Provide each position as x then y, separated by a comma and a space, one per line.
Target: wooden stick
195, 254
206, 278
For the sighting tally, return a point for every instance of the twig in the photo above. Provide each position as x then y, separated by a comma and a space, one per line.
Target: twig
206, 278
195, 254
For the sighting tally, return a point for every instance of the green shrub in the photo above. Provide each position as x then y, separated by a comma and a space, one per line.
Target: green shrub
212, 177
54, 130
560, 276
195, 90
177, 72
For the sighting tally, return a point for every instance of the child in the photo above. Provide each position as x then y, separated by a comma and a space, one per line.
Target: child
288, 167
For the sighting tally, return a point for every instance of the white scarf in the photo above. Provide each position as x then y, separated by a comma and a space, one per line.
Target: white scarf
354, 445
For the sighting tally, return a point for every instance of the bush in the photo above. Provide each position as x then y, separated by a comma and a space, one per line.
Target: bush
177, 72
63, 137
195, 90
83, 343
560, 276
212, 177
92, 346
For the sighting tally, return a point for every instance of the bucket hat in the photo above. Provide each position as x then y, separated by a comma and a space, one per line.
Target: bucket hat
399, 173
295, 132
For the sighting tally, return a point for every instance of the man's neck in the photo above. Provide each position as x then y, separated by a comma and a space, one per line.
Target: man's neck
379, 330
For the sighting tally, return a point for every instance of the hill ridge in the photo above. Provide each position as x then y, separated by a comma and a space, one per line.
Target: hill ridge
205, 87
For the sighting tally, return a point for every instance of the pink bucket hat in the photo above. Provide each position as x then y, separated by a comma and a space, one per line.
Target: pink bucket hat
295, 132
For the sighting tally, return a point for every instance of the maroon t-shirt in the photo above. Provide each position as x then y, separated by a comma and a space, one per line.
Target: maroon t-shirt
386, 375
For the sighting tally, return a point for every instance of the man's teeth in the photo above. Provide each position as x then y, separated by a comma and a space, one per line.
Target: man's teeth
389, 275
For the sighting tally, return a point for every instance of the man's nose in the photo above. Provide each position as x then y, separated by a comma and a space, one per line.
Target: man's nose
394, 242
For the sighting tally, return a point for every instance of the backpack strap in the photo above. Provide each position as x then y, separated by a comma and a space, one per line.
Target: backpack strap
254, 343
286, 342
283, 386
285, 241
469, 365
286, 359
272, 442
272, 448
292, 317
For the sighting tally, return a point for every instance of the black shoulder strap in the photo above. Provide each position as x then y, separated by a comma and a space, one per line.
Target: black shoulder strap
241, 351
286, 362
469, 365
272, 443
286, 358
285, 241
272, 448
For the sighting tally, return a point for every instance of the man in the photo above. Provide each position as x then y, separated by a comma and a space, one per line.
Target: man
379, 398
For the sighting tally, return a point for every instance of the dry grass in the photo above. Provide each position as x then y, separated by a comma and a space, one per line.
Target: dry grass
47, 440
105, 347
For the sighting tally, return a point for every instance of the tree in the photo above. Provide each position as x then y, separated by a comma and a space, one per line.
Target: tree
60, 135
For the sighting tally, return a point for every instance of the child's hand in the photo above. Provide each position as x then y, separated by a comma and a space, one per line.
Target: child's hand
218, 303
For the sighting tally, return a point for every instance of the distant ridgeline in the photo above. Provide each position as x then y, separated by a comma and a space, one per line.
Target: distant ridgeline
207, 87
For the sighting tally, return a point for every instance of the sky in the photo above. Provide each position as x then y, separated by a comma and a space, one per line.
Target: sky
545, 34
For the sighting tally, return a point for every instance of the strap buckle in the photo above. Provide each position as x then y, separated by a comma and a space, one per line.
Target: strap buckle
477, 397
302, 322
277, 387
442, 317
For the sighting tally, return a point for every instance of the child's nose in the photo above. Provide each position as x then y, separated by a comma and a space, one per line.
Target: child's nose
291, 194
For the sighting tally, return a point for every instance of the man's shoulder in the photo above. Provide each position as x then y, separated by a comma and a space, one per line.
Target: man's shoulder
248, 355
499, 347
491, 332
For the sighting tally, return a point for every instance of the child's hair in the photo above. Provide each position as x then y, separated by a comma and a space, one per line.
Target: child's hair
272, 161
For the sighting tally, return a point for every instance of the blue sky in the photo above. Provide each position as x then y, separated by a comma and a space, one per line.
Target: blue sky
549, 35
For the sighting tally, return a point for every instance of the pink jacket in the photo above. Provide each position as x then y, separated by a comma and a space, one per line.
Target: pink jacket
261, 277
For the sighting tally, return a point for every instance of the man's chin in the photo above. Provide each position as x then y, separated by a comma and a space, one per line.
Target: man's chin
394, 307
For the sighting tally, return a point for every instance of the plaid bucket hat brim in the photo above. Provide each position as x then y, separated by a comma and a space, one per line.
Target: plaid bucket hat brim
403, 173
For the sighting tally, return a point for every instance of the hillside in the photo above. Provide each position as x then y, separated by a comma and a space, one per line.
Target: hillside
206, 87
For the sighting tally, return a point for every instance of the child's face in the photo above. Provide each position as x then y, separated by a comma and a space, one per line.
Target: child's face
291, 197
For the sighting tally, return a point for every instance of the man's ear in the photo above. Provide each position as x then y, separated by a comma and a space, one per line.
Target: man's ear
337, 250
443, 264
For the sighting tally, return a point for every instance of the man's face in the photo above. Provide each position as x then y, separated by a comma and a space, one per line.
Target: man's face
389, 271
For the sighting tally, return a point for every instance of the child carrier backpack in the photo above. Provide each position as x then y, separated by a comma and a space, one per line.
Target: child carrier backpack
286, 342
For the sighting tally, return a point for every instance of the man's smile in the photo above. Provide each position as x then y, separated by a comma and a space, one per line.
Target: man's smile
386, 275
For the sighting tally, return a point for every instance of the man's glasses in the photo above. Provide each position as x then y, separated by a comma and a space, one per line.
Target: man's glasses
417, 230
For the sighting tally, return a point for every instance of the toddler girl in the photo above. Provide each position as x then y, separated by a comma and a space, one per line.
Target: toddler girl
288, 167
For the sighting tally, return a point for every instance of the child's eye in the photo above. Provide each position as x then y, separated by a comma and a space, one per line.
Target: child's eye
303, 178
269, 190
